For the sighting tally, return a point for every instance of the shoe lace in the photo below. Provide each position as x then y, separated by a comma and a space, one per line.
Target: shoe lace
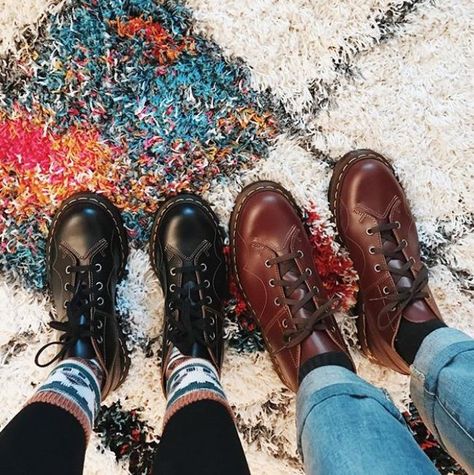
405, 294
77, 324
304, 326
186, 326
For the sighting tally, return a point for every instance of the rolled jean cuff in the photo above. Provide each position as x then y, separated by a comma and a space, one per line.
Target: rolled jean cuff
331, 381
436, 352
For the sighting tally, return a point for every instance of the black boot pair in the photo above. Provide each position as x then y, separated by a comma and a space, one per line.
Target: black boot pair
86, 256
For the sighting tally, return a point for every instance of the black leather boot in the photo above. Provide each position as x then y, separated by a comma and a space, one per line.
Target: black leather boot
86, 255
187, 253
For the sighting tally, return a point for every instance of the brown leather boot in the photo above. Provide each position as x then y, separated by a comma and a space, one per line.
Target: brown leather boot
375, 223
273, 262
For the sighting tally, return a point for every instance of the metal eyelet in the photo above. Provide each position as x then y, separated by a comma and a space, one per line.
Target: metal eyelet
377, 268
386, 290
271, 282
173, 271
66, 287
404, 243
99, 324
203, 267
207, 284
369, 232
412, 260
398, 224
371, 250
267, 263
100, 286
309, 272
212, 336
68, 269
100, 301
212, 321
208, 299
284, 323
170, 306
277, 302
100, 340
316, 289
98, 267
172, 287
66, 303
300, 254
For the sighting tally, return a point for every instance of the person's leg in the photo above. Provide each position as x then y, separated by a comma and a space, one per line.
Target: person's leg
442, 388
187, 253
345, 425
86, 256
49, 435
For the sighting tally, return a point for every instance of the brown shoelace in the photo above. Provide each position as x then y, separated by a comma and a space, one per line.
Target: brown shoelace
304, 325
405, 295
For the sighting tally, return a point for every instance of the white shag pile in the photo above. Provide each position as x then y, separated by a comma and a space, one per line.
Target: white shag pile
408, 96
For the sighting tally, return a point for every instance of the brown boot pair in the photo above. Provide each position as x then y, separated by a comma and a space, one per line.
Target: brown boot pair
272, 259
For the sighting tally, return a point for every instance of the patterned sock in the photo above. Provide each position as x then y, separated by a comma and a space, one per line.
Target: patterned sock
191, 380
73, 385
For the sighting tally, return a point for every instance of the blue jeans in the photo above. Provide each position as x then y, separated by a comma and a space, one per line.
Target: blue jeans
347, 426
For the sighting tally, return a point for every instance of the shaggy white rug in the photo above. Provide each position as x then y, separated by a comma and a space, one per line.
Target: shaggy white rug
392, 76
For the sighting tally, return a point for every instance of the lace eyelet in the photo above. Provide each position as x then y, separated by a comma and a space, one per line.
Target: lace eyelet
271, 282
277, 302
377, 268
100, 340
371, 250
98, 267
284, 323
404, 243
412, 260
100, 301
209, 300
369, 232
170, 306
386, 290
66, 287
399, 225
212, 321
267, 263
212, 336
316, 289
207, 284
172, 287
66, 303
100, 286
99, 324
309, 272
300, 254
68, 269
173, 271
203, 267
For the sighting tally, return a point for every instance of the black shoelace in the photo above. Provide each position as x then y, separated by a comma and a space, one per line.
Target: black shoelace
304, 326
405, 295
77, 325
187, 326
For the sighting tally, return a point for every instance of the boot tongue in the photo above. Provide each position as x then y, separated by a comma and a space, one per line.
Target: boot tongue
417, 311
290, 272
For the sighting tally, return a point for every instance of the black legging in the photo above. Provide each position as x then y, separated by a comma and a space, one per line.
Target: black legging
45, 440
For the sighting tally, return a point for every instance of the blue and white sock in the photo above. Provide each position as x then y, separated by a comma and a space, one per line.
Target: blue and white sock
73, 385
191, 380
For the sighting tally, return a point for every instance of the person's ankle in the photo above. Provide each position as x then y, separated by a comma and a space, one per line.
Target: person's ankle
410, 336
332, 358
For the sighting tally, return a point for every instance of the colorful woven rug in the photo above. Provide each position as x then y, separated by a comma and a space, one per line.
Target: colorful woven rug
142, 99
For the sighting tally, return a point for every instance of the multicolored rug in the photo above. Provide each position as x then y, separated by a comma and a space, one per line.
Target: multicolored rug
143, 99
